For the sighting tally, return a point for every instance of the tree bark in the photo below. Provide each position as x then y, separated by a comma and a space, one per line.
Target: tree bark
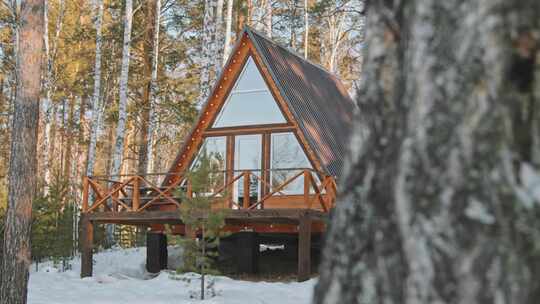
228, 32
207, 47
429, 211
306, 29
23, 161
153, 89
96, 97
123, 95
146, 102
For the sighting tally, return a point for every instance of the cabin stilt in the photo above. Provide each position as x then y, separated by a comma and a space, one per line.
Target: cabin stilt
87, 243
156, 252
247, 255
304, 248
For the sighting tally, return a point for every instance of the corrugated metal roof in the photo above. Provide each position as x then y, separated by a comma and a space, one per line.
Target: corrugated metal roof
317, 99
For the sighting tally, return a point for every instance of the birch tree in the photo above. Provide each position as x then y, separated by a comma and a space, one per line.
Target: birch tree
123, 92
23, 161
207, 47
228, 31
153, 88
306, 29
432, 209
97, 103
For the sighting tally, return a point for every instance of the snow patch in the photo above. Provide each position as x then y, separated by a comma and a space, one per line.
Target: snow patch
120, 277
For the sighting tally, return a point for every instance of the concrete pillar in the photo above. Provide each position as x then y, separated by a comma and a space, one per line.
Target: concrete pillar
156, 252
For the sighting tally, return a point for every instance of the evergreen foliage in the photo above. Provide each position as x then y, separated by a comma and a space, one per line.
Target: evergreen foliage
53, 225
196, 213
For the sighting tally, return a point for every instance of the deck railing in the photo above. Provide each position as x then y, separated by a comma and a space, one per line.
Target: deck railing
240, 189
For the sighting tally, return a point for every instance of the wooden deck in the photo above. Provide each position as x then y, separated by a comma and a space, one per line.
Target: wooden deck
137, 200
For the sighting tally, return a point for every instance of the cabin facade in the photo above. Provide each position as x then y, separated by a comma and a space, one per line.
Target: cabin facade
274, 132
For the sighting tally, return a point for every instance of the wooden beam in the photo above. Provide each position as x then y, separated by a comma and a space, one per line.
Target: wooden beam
173, 217
136, 194
246, 194
85, 194
304, 248
256, 129
87, 244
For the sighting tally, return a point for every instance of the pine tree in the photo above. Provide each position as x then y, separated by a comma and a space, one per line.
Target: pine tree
23, 160
198, 215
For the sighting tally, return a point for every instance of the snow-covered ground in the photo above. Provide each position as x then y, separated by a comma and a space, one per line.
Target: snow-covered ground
120, 277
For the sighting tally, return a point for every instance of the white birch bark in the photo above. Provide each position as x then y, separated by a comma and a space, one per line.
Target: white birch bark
46, 105
306, 29
123, 92
228, 32
153, 89
207, 48
218, 37
96, 100
268, 18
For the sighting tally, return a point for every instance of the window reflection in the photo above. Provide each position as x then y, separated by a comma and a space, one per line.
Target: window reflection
287, 158
250, 102
213, 151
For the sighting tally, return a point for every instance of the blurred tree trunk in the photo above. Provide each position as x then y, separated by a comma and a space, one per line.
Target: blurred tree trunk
23, 161
429, 210
207, 47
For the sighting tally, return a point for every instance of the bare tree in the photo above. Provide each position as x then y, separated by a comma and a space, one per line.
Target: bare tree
306, 29
97, 103
228, 31
431, 209
123, 94
23, 162
153, 88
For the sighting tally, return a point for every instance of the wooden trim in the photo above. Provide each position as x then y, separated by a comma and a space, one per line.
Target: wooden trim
254, 129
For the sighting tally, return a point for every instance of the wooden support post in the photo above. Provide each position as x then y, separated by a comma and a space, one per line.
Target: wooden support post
307, 182
114, 203
189, 190
246, 190
87, 244
136, 194
85, 194
247, 251
304, 248
156, 252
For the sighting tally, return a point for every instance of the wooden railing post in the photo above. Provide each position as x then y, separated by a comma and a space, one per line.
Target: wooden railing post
189, 189
85, 194
136, 195
246, 189
115, 195
307, 180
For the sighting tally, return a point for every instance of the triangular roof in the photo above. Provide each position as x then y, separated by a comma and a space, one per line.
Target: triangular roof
315, 99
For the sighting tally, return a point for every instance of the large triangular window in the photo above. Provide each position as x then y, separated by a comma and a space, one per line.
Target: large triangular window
250, 102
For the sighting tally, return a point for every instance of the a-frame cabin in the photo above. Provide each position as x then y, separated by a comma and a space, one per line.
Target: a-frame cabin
274, 129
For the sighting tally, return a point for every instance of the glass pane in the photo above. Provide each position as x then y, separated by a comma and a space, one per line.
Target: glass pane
249, 108
248, 151
287, 154
250, 79
214, 151
250, 102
